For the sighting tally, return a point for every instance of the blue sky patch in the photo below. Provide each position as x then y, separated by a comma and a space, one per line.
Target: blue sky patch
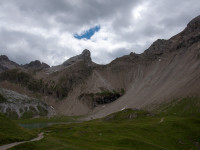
88, 33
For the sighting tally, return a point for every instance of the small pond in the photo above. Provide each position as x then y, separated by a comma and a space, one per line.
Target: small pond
41, 125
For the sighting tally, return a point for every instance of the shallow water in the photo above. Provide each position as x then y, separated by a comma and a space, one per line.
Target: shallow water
41, 125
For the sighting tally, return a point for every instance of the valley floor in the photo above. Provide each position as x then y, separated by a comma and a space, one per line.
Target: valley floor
141, 134
173, 126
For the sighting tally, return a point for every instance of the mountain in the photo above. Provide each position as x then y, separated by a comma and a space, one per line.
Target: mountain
167, 70
85, 56
6, 64
36, 65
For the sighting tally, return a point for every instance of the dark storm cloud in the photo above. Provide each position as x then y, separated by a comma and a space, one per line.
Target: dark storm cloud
44, 29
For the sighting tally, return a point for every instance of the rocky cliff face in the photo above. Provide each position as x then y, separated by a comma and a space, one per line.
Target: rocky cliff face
6, 64
16, 105
36, 65
84, 56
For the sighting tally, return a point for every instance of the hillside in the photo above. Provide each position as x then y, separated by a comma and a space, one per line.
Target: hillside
11, 132
169, 69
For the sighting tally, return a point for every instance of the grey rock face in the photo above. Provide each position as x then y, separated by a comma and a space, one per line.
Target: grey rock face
22, 106
85, 56
6, 64
159, 47
4, 58
194, 24
36, 65
185, 39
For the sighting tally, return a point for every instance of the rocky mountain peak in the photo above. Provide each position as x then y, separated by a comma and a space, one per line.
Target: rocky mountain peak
158, 47
84, 56
36, 65
86, 52
194, 24
4, 58
6, 63
193, 28
189, 36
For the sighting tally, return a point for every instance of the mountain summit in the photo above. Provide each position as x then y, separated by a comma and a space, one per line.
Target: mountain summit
194, 24
6, 64
84, 56
36, 65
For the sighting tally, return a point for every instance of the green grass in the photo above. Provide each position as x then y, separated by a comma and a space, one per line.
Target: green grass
129, 130
11, 132
188, 106
140, 134
128, 114
51, 119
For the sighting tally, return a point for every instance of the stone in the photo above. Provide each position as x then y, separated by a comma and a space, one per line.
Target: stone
84, 56
36, 65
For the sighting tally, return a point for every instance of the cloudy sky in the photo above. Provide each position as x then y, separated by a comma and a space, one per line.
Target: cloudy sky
54, 30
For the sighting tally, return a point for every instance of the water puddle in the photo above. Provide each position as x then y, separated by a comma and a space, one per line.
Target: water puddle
42, 125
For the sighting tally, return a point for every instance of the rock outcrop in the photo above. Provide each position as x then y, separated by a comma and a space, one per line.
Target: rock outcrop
84, 56
189, 36
100, 98
16, 105
36, 65
6, 64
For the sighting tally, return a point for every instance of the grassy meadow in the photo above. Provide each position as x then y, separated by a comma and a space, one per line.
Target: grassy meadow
12, 132
173, 126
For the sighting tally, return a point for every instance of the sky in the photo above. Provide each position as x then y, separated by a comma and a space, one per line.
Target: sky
87, 34
54, 30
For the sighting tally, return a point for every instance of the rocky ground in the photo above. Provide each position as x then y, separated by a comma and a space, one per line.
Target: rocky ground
16, 105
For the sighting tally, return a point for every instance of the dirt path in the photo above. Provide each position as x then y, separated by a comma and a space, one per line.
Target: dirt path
4, 147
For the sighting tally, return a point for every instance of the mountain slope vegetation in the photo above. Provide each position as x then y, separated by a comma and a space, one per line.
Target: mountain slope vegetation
11, 132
